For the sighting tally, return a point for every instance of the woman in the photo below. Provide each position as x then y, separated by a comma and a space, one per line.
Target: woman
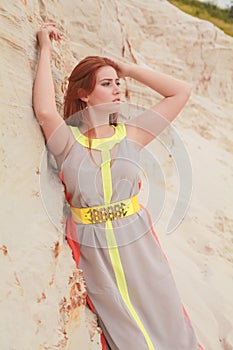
128, 279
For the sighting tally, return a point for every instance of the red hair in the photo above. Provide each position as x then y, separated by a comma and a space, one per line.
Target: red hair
82, 81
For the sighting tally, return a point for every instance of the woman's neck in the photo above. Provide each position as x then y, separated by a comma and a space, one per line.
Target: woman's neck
98, 131
97, 121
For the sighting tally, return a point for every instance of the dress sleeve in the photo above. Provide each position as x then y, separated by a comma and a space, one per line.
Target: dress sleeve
60, 143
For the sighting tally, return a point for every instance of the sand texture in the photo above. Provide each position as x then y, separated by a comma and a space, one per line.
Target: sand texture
42, 298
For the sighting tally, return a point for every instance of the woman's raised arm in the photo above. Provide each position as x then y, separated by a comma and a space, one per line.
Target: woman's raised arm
174, 91
43, 93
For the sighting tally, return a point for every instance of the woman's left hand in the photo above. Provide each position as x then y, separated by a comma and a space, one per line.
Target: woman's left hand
47, 33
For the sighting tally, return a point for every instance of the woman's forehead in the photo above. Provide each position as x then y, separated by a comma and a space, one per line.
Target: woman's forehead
107, 72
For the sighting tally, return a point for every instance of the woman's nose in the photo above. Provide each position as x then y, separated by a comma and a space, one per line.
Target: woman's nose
117, 88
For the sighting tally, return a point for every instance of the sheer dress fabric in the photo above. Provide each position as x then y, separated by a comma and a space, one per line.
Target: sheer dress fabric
157, 319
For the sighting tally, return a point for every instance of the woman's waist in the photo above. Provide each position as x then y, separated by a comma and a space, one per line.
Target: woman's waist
108, 211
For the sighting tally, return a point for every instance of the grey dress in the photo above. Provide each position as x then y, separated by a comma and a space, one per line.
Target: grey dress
127, 275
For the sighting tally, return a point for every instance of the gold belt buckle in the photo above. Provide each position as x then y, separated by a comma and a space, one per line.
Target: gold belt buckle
110, 212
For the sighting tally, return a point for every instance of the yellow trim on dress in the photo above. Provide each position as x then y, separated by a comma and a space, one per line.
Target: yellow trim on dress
105, 145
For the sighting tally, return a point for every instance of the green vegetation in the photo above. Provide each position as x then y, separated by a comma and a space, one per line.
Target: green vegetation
222, 18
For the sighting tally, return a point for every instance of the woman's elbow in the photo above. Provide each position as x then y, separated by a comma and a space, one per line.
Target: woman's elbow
43, 115
185, 92
188, 90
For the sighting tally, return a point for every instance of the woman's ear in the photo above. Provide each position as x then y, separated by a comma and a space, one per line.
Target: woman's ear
82, 95
84, 99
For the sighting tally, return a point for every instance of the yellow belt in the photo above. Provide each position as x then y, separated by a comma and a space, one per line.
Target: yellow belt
103, 213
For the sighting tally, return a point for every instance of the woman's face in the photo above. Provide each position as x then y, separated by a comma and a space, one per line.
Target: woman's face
107, 88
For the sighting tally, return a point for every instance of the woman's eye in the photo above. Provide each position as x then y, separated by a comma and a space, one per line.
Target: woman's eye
107, 83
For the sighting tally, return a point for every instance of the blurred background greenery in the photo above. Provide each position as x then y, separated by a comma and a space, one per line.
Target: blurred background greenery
208, 10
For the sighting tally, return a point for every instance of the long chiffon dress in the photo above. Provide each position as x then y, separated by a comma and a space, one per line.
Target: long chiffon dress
128, 278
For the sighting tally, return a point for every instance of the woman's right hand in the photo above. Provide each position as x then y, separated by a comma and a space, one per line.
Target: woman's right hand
47, 33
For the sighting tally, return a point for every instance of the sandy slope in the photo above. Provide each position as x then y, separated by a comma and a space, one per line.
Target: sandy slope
39, 280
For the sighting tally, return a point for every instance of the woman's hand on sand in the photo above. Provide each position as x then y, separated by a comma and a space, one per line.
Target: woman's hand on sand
47, 33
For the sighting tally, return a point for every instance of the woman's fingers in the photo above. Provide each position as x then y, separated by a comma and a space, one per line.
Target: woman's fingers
45, 25
55, 34
50, 28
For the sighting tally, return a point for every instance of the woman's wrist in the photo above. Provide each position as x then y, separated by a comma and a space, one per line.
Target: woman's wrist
134, 71
45, 51
122, 69
127, 68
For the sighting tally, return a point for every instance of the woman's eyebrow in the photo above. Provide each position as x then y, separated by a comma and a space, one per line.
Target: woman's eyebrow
109, 79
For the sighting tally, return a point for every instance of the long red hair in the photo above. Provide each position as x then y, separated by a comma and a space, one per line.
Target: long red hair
81, 82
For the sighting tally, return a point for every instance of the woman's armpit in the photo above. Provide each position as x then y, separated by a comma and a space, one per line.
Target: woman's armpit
60, 143
145, 127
